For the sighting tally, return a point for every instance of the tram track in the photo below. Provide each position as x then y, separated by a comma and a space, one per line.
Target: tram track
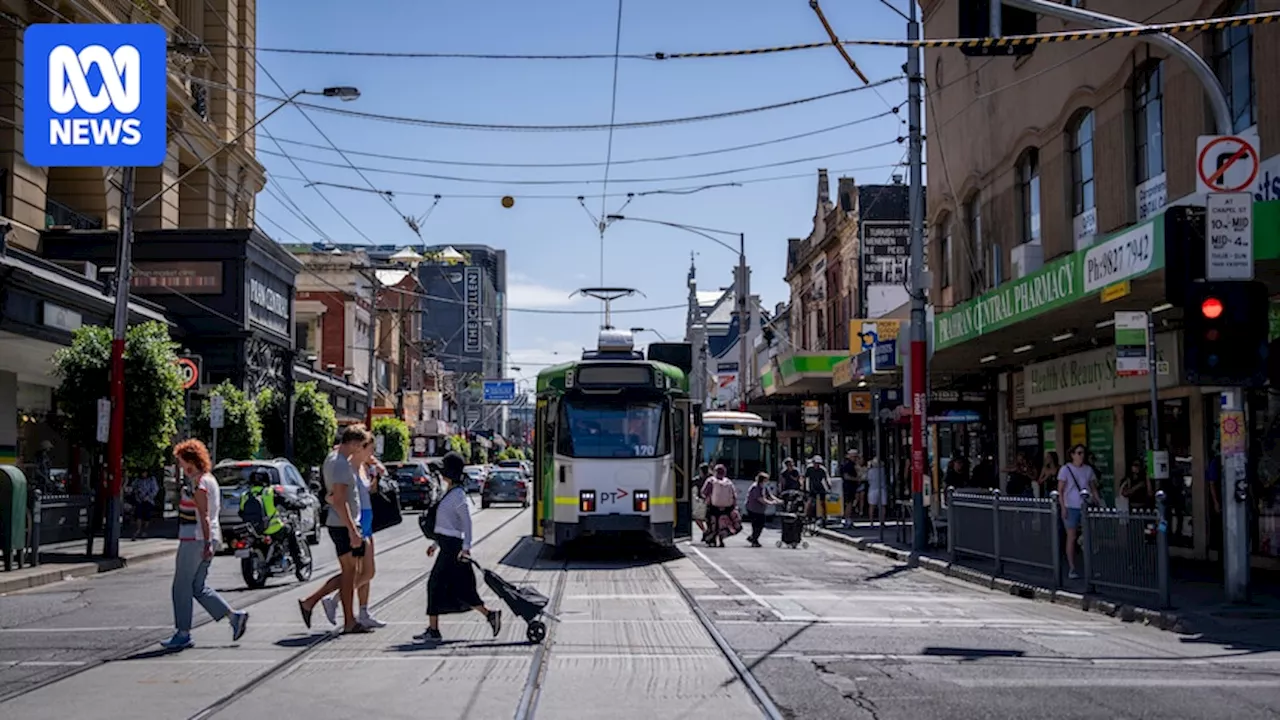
270, 671
527, 708
267, 594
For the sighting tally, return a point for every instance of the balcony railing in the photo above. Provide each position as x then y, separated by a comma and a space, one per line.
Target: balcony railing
58, 215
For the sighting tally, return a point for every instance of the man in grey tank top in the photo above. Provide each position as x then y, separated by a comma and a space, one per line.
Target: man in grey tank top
343, 522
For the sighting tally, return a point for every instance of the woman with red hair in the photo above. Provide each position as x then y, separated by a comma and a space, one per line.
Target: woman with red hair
198, 535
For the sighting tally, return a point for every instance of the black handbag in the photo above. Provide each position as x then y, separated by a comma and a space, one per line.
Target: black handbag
386, 510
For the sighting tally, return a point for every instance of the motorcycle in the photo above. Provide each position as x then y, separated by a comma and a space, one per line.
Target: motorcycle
265, 556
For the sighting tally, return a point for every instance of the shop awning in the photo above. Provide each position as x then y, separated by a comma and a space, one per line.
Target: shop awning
801, 373
1069, 304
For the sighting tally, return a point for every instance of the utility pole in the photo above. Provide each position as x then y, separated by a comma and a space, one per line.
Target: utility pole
919, 391
744, 320
115, 438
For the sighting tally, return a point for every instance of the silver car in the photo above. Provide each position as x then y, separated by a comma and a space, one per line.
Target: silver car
233, 479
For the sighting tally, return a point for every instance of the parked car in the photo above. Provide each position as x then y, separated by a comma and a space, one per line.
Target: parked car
233, 479
505, 485
417, 482
474, 476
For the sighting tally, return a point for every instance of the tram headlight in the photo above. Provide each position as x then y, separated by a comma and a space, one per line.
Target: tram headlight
640, 500
587, 501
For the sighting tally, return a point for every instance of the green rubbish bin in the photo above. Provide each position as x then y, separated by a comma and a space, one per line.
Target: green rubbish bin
13, 514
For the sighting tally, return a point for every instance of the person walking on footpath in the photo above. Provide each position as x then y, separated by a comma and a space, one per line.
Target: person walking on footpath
343, 519
819, 486
1074, 479
145, 489
451, 589
198, 535
758, 499
877, 485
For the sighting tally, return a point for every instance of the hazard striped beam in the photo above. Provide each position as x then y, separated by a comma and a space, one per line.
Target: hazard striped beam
1188, 26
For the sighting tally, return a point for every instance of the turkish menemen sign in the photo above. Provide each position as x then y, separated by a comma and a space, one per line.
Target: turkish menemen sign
474, 287
1128, 254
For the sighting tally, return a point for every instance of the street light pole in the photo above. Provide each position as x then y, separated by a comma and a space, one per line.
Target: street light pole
919, 393
129, 211
742, 288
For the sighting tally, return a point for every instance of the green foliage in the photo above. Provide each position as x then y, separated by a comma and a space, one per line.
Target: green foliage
152, 392
395, 438
273, 417
511, 453
460, 445
315, 425
241, 433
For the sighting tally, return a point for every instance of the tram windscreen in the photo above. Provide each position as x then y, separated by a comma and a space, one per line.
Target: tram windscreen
742, 457
603, 428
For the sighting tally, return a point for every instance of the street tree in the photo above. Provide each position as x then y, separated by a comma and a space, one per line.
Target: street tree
395, 438
240, 436
152, 395
315, 424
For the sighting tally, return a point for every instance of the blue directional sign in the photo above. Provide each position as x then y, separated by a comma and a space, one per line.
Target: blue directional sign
499, 390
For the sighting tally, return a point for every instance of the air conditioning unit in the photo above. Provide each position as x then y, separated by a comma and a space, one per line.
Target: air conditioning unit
1026, 259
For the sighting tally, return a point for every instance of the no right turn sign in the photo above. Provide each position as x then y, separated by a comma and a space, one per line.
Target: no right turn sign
1226, 163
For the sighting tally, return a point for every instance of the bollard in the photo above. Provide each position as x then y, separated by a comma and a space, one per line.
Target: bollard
951, 525
995, 529
1162, 551
37, 509
1084, 535
1055, 538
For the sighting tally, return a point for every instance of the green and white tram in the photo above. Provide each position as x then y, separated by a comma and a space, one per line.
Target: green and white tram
613, 447
745, 442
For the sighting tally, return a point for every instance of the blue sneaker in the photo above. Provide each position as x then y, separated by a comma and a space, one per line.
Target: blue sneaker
179, 641
239, 623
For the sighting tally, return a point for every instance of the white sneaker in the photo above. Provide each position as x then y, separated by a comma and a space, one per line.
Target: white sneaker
330, 605
368, 620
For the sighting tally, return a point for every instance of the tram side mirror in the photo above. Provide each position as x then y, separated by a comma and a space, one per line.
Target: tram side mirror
697, 414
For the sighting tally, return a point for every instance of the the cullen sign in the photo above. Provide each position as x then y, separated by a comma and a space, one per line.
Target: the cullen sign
474, 298
886, 252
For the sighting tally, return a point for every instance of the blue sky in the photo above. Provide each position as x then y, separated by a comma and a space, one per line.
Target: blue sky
552, 244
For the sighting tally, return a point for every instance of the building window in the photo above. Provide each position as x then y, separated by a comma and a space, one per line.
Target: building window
1148, 116
1082, 198
978, 253
1233, 63
946, 253
1029, 195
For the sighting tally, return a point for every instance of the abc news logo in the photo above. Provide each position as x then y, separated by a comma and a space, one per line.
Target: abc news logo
106, 95
69, 91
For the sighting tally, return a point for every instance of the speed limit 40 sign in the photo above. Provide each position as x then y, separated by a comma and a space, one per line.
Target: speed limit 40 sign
189, 367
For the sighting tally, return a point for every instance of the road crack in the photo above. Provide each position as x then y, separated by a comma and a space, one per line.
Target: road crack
849, 689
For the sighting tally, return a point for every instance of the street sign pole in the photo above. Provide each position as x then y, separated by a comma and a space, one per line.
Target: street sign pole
215, 422
1233, 492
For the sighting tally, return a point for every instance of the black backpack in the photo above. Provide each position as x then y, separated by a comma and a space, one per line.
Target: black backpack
427, 520
252, 511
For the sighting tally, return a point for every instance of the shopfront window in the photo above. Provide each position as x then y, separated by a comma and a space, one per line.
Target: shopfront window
1175, 436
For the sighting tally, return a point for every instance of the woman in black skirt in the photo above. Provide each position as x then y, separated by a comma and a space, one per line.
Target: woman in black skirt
451, 588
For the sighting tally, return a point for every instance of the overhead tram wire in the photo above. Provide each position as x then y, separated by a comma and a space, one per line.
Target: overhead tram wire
595, 127
678, 190
632, 161
605, 182
395, 55
608, 157
209, 6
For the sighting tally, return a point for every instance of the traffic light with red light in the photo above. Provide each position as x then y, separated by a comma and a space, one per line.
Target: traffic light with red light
1226, 337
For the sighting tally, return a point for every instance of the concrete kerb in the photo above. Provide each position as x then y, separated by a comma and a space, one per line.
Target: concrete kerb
28, 578
1171, 621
